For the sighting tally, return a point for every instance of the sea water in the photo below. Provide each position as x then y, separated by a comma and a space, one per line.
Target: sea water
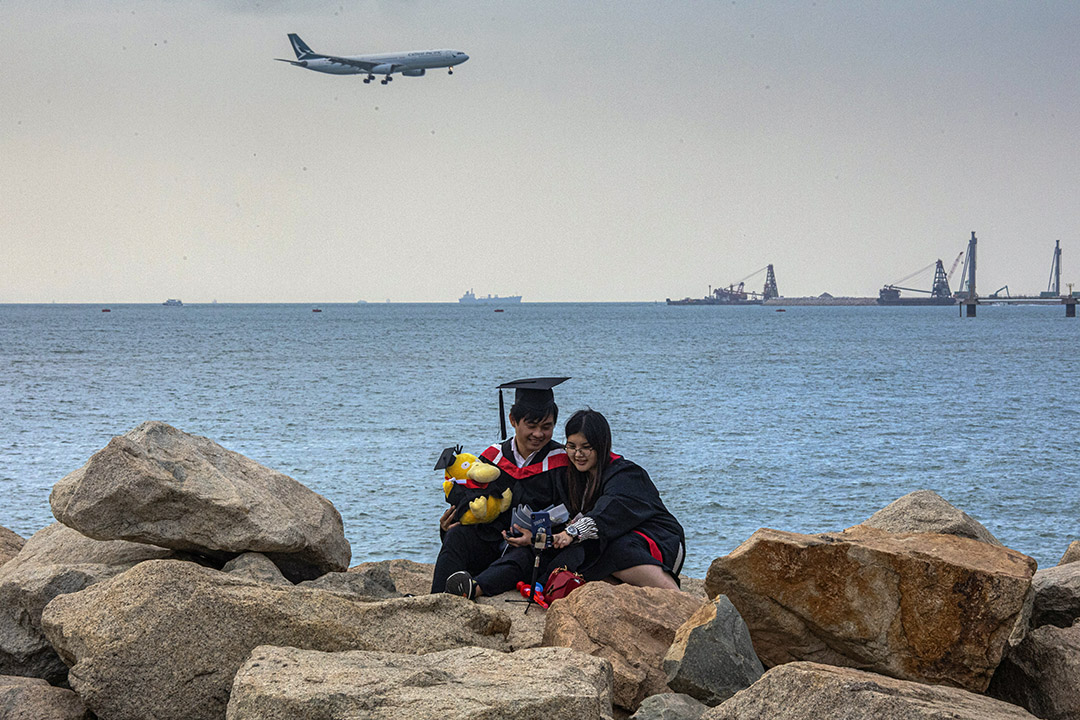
806, 420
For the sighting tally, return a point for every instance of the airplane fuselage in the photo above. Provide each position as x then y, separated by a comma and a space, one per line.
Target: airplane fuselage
412, 63
382, 62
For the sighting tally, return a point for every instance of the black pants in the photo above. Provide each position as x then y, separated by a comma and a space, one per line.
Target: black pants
517, 564
465, 547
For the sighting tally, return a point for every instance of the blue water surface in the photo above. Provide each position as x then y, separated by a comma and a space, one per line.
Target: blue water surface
808, 420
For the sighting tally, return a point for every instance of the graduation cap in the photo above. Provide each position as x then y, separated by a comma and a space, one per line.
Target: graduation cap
530, 394
448, 457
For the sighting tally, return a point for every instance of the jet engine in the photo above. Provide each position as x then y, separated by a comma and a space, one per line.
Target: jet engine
384, 69
413, 72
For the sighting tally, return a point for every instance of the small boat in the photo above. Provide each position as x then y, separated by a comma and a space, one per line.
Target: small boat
499, 310
172, 302
316, 309
780, 310
105, 310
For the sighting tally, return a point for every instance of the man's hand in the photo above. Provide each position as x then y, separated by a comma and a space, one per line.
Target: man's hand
561, 540
447, 520
522, 540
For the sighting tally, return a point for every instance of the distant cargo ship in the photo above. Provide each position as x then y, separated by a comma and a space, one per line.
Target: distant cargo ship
470, 299
172, 302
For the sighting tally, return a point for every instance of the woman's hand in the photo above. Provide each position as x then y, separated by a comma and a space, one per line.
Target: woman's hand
561, 540
522, 540
447, 520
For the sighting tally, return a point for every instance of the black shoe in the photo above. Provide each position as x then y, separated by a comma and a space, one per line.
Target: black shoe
461, 583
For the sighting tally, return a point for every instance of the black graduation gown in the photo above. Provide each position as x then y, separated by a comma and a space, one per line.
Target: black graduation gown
628, 502
534, 485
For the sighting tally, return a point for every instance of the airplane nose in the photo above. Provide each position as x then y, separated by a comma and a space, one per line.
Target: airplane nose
464, 57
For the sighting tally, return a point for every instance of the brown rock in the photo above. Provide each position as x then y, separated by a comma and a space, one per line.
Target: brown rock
23, 698
809, 691
165, 639
10, 544
1072, 553
279, 683
632, 627
925, 607
924, 511
55, 561
158, 485
1042, 673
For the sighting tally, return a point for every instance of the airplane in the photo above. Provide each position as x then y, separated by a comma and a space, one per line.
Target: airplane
412, 64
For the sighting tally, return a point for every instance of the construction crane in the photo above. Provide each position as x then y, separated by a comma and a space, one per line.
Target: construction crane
954, 264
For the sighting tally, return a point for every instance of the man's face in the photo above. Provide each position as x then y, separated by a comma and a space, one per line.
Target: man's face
530, 435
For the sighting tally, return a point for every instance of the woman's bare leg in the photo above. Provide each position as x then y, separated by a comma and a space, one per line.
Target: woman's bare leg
646, 576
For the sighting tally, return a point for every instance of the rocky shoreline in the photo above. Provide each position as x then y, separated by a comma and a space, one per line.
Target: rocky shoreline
186, 581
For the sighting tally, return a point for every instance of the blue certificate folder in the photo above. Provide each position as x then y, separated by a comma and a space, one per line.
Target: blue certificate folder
523, 516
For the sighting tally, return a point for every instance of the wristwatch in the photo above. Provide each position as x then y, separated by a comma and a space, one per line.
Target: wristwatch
573, 532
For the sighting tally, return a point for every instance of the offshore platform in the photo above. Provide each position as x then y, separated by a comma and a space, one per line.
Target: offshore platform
966, 296
736, 293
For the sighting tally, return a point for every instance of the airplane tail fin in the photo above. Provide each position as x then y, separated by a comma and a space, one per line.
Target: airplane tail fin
300, 47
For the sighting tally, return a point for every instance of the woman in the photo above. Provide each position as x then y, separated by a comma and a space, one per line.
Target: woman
624, 528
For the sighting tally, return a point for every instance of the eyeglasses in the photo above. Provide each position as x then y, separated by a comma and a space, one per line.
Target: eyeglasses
575, 450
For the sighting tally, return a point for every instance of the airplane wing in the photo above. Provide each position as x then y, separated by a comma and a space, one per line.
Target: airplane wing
360, 64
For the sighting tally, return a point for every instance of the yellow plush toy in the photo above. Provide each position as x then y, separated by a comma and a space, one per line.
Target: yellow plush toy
466, 482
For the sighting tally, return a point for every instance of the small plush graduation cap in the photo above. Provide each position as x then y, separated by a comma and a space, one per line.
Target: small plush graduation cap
532, 393
447, 458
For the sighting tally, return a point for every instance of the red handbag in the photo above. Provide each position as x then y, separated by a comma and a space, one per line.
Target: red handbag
561, 582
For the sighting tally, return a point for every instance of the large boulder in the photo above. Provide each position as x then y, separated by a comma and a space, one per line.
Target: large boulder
925, 607
712, 656
632, 627
809, 691
1072, 553
10, 544
55, 561
1057, 595
1042, 673
924, 511
23, 698
165, 639
161, 486
282, 683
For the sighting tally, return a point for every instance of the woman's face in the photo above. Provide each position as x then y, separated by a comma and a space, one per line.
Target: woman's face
581, 453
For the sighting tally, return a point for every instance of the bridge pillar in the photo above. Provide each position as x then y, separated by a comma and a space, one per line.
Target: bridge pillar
967, 307
1070, 308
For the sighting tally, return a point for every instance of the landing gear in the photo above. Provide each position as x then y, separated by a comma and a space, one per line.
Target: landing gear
386, 79
451, 71
369, 78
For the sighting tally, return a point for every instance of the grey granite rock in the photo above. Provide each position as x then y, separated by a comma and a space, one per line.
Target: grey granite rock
165, 639
161, 486
23, 698
809, 691
669, 706
278, 683
1057, 596
712, 657
55, 561
1042, 673
255, 566
924, 511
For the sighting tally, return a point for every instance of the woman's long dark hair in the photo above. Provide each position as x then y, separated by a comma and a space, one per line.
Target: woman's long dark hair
584, 489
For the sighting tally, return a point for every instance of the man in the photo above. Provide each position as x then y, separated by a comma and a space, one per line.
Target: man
529, 461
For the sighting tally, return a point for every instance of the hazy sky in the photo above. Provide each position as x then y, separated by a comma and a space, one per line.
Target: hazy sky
587, 151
